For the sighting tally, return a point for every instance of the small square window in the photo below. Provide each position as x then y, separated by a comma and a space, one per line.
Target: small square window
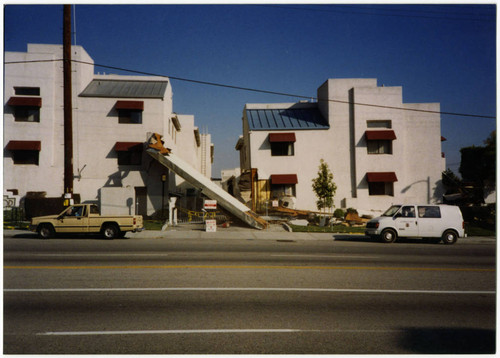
381, 188
133, 116
26, 114
282, 149
280, 190
379, 146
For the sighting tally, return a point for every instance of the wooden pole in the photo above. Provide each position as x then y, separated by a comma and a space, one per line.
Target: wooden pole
68, 104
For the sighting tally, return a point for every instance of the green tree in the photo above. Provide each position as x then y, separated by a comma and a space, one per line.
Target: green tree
451, 182
478, 166
324, 187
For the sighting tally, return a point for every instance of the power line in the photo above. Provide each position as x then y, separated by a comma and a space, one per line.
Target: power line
258, 90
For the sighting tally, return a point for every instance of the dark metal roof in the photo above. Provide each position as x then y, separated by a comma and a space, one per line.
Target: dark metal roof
289, 118
125, 89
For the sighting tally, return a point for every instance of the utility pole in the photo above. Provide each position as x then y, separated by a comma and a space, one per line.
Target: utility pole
68, 105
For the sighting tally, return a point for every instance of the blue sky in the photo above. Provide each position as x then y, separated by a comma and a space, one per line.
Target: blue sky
437, 53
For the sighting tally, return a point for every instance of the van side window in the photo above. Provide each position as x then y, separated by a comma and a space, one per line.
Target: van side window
408, 211
429, 212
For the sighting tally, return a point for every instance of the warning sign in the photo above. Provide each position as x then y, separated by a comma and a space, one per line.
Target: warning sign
211, 225
210, 205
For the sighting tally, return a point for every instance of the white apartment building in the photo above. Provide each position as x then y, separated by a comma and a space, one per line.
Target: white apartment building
113, 117
380, 150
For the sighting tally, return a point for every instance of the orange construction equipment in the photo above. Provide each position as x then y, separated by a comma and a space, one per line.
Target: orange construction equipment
157, 143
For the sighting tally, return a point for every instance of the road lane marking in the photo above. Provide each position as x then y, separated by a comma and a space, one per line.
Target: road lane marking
328, 256
94, 254
211, 331
107, 267
255, 289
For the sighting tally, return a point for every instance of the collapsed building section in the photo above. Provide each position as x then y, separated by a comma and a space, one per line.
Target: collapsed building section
168, 159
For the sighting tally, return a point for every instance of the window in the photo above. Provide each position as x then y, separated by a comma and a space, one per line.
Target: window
381, 183
24, 152
408, 212
429, 212
26, 109
129, 153
25, 157
282, 149
130, 111
27, 91
381, 188
130, 158
27, 114
379, 141
282, 144
280, 190
129, 116
379, 124
379, 146
283, 185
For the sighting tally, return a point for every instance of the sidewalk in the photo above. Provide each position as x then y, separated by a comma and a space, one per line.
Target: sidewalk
274, 232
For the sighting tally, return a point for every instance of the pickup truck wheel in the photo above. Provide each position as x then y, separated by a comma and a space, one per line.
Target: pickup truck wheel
449, 237
110, 231
388, 236
45, 231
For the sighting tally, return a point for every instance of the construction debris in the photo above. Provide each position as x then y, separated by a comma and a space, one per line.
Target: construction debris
165, 157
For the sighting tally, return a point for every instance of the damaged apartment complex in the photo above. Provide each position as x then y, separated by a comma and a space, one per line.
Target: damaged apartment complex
380, 150
113, 117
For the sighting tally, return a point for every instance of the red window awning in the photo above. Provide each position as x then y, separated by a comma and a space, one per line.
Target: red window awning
380, 135
24, 145
128, 146
25, 101
385, 177
284, 179
281, 137
133, 105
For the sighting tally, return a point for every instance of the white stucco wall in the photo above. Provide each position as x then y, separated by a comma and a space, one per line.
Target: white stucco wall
48, 77
96, 129
416, 152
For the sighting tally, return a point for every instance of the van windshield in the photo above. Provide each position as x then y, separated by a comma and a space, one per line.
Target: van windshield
392, 210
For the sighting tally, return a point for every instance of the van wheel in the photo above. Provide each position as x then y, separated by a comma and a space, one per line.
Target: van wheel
110, 231
449, 237
389, 236
45, 231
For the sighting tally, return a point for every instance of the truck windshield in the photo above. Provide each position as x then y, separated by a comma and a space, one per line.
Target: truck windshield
392, 210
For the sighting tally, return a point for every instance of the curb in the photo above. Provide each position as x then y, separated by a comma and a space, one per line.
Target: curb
284, 235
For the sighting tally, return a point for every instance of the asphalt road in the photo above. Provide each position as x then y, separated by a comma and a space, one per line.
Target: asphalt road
170, 296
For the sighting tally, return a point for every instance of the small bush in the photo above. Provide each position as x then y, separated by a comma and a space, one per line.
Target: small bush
352, 211
339, 213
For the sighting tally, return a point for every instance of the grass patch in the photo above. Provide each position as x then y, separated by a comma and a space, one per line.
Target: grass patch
475, 230
333, 229
153, 224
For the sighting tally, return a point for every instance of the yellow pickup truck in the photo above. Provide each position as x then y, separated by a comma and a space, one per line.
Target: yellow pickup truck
85, 219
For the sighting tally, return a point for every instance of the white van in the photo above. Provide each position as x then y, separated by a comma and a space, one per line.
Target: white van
443, 222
